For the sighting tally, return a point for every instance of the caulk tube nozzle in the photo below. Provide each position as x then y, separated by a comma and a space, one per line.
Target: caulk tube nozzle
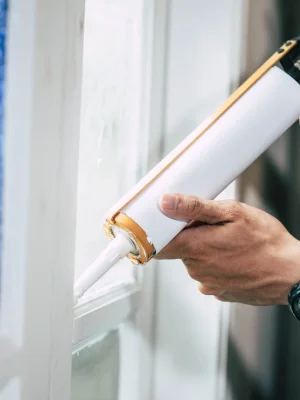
114, 252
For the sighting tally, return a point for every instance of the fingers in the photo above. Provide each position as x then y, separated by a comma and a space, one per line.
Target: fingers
241, 298
193, 242
178, 248
210, 290
185, 207
222, 295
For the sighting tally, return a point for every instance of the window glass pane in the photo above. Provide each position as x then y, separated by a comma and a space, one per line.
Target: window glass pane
95, 372
110, 116
198, 81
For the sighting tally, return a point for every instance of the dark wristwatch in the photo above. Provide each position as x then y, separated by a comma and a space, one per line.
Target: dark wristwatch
294, 300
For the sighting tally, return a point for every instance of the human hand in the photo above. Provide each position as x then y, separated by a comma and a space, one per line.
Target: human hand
238, 253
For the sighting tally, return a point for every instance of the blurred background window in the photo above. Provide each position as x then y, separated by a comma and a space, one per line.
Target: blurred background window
264, 346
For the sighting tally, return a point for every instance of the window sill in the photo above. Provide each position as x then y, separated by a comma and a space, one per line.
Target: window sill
103, 311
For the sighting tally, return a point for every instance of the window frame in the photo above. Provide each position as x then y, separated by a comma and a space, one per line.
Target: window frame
40, 175
153, 68
130, 306
33, 276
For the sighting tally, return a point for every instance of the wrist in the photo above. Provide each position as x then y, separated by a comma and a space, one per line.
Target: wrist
290, 268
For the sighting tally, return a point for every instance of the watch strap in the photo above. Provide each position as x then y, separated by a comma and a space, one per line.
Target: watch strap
294, 300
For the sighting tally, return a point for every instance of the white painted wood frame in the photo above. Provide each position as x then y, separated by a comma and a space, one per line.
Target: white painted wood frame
41, 154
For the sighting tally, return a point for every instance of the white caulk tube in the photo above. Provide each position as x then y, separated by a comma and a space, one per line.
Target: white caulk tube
222, 153
202, 165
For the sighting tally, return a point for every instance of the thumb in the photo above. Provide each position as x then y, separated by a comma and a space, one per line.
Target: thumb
182, 207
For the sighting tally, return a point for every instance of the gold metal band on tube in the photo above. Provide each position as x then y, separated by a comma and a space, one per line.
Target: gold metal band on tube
145, 247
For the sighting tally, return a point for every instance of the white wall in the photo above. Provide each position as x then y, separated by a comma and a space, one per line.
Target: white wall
199, 61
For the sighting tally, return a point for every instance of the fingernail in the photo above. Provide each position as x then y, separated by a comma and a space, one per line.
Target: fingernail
169, 202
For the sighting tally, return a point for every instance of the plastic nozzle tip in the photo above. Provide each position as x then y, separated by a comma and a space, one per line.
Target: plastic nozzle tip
114, 252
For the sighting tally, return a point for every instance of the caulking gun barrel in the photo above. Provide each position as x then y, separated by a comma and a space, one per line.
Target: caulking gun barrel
217, 152
212, 156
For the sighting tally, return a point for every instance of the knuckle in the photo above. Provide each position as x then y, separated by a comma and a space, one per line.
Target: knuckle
220, 298
206, 290
234, 208
190, 205
211, 218
193, 272
233, 204
188, 262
